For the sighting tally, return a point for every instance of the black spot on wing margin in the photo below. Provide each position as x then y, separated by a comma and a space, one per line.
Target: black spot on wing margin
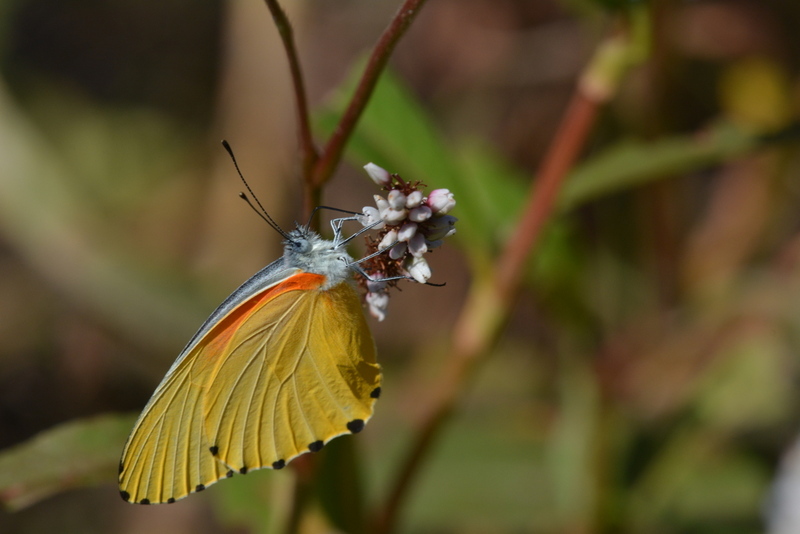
355, 426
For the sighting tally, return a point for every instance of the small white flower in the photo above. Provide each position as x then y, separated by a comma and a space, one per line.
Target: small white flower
414, 199
407, 231
388, 240
378, 303
370, 215
420, 214
394, 217
419, 270
417, 246
409, 224
441, 201
397, 200
398, 251
378, 174
440, 227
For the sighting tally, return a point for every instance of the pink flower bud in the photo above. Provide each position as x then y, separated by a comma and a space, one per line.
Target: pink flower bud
414, 199
419, 270
388, 240
394, 217
441, 201
397, 200
407, 231
417, 246
381, 203
378, 174
420, 214
398, 251
370, 215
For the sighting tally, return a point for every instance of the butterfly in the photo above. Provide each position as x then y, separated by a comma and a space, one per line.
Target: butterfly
285, 364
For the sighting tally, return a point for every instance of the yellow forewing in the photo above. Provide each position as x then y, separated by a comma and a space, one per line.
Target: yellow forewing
162, 460
286, 371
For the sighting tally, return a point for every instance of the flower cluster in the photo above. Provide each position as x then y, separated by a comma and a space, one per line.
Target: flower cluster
409, 224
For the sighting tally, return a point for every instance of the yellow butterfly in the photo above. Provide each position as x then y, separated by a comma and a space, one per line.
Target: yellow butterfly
284, 365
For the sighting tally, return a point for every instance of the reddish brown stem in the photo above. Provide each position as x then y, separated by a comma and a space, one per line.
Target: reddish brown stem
488, 306
307, 148
564, 150
332, 153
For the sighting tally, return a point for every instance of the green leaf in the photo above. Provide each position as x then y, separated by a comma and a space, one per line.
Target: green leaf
258, 503
632, 163
339, 485
751, 365
80, 453
697, 478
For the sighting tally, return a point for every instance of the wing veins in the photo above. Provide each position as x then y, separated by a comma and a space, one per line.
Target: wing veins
250, 361
140, 449
285, 317
294, 377
322, 379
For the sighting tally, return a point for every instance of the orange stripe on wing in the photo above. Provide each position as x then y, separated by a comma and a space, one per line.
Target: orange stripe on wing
218, 337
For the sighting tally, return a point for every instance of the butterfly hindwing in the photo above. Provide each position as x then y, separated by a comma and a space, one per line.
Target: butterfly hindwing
299, 369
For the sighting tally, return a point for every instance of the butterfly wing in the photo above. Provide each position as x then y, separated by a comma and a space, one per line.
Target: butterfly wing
296, 374
282, 372
163, 460
166, 456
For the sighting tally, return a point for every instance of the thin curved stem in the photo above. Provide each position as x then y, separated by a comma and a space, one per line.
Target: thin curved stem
307, 148
486, 309
332, 153
489, 302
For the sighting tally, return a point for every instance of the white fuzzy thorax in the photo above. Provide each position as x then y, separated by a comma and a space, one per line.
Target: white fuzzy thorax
307, 251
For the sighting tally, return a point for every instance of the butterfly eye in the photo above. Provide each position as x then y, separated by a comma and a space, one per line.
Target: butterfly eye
301, 246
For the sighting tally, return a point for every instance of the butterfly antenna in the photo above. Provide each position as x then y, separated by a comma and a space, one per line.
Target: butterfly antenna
261, 212
258, 212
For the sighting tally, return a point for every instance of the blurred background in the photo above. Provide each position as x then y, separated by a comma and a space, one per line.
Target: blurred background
648, 378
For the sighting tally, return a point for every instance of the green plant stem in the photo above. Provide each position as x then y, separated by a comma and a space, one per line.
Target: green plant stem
332, 153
